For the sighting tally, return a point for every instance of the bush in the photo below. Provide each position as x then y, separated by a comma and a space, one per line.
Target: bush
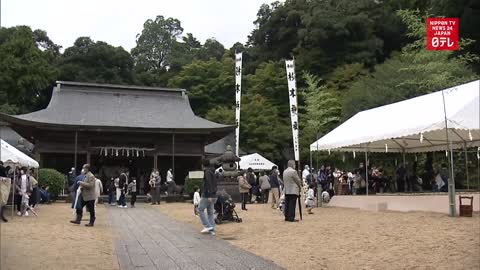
190, 185
53, 179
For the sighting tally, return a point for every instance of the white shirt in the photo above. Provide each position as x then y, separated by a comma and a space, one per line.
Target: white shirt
305, 174
23, 187
98, 187
196, 198
310, 195
169, 176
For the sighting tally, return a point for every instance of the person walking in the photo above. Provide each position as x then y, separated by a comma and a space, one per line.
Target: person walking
264, 186
252, 181
132, 189
208, 199
155, 184
98, 189
244, 188
122, 185
171, 186
23, 185
33, 200
88, 196
293, 186
274, 196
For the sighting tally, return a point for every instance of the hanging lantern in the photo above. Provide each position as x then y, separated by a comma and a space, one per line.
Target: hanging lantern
386, 148
128, 152
470, 135
354, 154
421, 137
116, 152
106, 151
329, 152
446, 153
138, 154
478, 153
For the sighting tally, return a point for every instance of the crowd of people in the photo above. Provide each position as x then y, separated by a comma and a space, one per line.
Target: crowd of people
27, 192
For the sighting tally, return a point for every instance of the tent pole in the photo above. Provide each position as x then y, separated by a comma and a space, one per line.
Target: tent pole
13, 189
451, 180
311, 165
405, 167
466, 165
366, 169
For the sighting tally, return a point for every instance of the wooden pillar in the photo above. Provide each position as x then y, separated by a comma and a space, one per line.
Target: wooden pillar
155, 157
89, 159
75, 157
173, 154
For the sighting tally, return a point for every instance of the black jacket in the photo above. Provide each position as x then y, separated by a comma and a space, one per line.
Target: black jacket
209, 183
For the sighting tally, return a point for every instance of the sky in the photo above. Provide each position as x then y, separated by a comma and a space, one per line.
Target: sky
118, 22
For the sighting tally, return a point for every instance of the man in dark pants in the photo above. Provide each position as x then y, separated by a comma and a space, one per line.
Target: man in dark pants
293, 186
88, 196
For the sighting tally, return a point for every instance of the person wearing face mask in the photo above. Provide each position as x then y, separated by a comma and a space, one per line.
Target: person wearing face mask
88, 196
22, 185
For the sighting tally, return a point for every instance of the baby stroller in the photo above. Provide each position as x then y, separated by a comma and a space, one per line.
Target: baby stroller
225, 209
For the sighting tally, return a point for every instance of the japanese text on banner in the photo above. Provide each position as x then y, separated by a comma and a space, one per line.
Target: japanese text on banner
238, 98
292, 93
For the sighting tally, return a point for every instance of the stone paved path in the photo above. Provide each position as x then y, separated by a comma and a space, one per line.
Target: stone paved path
148, 239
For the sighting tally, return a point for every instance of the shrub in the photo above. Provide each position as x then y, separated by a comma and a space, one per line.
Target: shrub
53, 179
190, 185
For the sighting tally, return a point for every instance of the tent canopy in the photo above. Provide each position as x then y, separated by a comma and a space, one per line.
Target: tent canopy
12, 156
413, 125
256, 162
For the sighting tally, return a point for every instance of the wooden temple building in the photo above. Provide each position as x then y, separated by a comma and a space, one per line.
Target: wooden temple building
116, 127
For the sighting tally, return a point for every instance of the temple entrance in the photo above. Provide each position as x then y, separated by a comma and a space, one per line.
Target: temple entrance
108, 167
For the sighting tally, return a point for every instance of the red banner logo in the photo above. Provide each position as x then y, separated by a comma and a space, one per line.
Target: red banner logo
442, 34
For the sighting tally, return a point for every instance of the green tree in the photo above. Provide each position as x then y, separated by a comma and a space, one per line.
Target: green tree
413, 72
222, 114
209, 83
90, 61
27, 69
156, 42
270, 81
322, 112
262, 129
211, 49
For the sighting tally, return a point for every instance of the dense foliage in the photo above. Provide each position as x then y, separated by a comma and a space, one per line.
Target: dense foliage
350, 56
53, 179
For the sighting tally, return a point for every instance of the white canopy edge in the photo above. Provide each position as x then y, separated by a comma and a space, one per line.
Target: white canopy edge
413, 125
14, 157
256, 162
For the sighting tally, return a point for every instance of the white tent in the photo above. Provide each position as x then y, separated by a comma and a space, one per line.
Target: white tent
414, 125
12, 156
441, 120
256, 162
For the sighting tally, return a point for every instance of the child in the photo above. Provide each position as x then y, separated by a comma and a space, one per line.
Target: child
310, 198
196, 200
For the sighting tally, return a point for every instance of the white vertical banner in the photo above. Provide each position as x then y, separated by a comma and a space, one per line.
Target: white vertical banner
238, 98
292, 93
